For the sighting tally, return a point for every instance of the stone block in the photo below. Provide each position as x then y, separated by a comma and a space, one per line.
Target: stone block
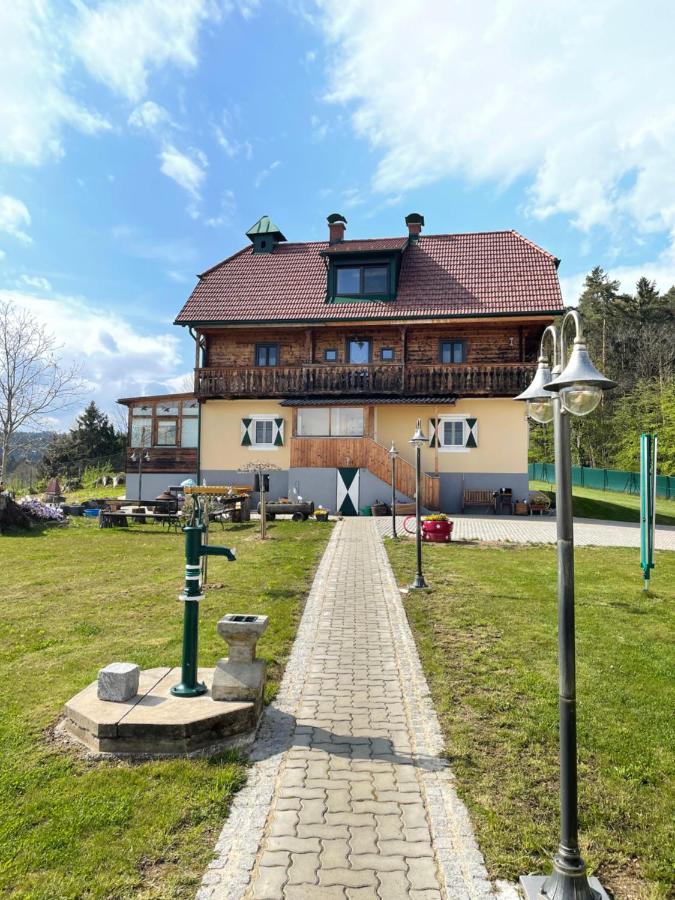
118, 682
239, 682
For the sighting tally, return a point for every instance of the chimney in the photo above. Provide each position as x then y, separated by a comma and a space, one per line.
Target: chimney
336, 228
414, 221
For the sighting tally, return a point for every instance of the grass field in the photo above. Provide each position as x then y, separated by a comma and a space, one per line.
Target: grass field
486, 633
611, 505
75, 599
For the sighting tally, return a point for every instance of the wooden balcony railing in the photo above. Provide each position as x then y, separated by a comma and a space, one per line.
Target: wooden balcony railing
505, 380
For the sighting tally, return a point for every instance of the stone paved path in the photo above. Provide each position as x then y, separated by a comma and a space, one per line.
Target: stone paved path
541, 530
348, 796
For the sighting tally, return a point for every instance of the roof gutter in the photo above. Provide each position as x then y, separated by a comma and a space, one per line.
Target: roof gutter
224, 323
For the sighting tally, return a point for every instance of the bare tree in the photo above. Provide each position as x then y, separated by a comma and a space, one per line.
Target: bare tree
33, 382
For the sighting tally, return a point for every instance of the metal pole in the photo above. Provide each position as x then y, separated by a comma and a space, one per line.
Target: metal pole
393, 497
140, 476
568, 880
419, 581
189, 686
263, 505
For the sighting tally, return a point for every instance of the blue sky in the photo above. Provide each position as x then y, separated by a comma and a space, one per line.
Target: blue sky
140, 139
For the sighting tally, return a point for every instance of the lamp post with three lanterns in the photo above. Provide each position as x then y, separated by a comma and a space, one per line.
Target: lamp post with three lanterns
573, 387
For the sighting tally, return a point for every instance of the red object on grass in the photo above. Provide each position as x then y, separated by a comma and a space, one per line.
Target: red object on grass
437, 532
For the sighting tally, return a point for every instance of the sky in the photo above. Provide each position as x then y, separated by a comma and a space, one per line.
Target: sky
140, 139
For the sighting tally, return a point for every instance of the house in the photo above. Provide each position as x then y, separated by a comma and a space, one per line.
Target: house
317, 356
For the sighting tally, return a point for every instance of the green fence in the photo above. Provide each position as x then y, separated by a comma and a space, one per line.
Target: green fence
604, 479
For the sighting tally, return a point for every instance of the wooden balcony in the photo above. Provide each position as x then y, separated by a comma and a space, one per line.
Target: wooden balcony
326, 381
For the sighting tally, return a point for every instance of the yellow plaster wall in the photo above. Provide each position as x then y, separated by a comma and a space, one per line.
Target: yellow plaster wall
221, 434
502, 435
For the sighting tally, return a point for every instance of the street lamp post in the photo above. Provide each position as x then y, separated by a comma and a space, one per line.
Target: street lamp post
393, 454
140, 458
418, 440
574, 387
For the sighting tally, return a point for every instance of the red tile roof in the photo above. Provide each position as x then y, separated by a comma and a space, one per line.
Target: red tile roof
488, 273
370, 245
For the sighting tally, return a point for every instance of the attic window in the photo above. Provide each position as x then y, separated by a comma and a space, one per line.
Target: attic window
362, 280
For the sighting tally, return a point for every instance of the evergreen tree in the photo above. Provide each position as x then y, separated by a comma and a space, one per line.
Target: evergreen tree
597, 306
93, 441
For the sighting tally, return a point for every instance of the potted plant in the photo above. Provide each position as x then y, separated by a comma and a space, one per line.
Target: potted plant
321, 514
437, 528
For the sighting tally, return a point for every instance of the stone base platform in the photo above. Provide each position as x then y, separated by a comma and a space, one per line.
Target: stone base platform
155, 723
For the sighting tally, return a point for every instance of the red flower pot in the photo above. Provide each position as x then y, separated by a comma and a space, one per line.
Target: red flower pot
437, 532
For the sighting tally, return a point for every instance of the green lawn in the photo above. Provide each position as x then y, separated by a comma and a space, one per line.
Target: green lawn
75, 599
592, 504
486, 633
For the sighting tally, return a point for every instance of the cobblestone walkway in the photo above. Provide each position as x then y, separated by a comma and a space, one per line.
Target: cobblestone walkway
541, 530
347, 796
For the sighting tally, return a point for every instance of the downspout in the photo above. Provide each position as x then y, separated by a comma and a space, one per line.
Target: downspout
199, 360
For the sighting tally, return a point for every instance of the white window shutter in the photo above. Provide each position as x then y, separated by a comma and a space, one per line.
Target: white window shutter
471, 435
433, 436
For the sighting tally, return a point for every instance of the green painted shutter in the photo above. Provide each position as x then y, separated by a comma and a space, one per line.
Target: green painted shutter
433, 427
246, 440
471, 433
278, 432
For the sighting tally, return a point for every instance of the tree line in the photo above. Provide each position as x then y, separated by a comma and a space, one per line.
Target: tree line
631, 339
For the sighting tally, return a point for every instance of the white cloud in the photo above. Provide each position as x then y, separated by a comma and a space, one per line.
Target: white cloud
228, 204
36, 281
264, 174
35, 104
575, 98
187, 171
116, 359
121, 41
149, 116
14, 217
2, 254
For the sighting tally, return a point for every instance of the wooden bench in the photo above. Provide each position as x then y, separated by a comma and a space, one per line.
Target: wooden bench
478, 498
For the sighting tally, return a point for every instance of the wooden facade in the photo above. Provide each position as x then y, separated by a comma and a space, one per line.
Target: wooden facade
364, 453
165, 459
497, 360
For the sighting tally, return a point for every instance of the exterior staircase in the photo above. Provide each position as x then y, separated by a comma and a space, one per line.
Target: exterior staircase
379, 463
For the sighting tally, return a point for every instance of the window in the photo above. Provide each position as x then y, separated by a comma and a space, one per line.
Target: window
191, 408
313, 422
338, 421
452, 433
358, 352
330, 355
366, 280
167, 409
266, 354
346, 421
452, 352
141, 432
189, 432
142, 411
264, 431
387, 354
166, 432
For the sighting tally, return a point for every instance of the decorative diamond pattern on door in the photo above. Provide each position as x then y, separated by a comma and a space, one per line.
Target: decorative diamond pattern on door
348, 491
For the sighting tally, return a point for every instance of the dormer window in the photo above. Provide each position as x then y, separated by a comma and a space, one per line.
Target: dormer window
362, 280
